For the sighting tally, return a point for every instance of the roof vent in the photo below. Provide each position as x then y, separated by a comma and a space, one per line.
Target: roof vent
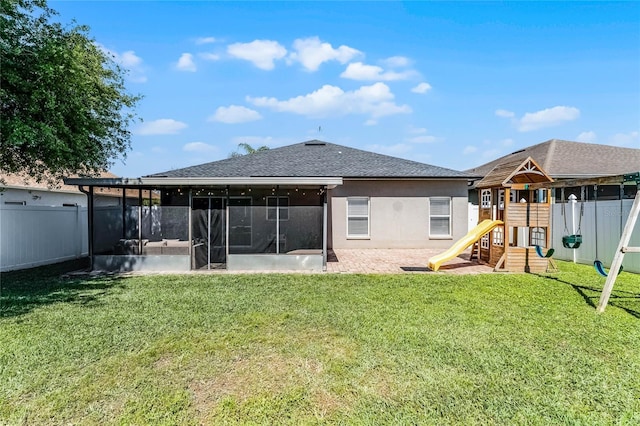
517, 152
315, 143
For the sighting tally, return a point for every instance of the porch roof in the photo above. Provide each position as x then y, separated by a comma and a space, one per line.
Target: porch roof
151, 181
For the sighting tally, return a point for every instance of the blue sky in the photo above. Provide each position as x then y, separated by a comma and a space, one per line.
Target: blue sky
450, 84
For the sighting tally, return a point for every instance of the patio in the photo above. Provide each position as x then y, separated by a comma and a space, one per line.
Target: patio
397, 261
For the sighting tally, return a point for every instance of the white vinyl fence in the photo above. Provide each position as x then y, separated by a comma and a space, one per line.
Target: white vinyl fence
38, 235
607, 232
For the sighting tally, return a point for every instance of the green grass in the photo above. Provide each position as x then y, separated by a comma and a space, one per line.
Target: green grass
319, 349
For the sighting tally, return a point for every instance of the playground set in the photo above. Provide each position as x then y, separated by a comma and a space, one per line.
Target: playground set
514, 223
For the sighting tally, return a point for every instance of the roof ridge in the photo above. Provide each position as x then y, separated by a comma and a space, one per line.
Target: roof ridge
550, 152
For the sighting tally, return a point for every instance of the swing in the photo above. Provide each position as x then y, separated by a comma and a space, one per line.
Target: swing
572, 241
597, 264
538, 248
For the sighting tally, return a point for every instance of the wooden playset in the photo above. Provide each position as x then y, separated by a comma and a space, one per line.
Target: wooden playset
504, 194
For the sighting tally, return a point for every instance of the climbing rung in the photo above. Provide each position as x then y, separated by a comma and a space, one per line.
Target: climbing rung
630, 249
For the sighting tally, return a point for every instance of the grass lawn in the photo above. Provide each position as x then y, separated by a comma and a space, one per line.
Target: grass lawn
316, 349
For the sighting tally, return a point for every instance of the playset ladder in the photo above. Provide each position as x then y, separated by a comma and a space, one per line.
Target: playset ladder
623, 248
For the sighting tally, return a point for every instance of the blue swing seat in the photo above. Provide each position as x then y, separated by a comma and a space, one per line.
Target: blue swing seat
599, 267
547, 255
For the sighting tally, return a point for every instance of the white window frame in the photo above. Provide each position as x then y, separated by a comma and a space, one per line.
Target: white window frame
538, 236
368, 216
485, 199
498, 236
282, 209
484, 241
449, 216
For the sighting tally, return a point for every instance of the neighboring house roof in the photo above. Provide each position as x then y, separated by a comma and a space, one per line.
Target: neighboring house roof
20, 181
315, 159
565, 159
525, 171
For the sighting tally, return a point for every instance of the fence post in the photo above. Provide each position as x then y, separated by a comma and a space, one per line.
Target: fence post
573, 200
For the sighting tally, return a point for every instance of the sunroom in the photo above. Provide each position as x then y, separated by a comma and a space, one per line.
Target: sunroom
184, 224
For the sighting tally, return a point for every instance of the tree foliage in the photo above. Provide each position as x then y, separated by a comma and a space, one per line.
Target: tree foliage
248, 149
64, 105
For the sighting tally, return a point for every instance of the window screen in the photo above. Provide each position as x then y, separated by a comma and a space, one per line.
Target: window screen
440, 217
358, 217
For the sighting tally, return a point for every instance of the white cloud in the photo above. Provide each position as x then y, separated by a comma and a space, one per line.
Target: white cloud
159, 150
423, 139
504, 113
234, 114
421, 88
371, 122
469, 149
375, 100
185, 63
130, 61
397, 62
589, 137
163, 126
416, 130
262, 53
205, 40
625, 139
209, 56
312, 53
199, 147
547, 118
507, 142
362, 72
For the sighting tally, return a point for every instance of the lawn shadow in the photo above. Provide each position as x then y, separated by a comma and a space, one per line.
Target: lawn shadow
26, 290
625, 300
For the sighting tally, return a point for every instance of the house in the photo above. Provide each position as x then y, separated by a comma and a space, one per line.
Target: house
282, 208
41, 224
572, 160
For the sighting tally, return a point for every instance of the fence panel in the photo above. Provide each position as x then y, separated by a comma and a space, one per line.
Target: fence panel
39, 235
611, 221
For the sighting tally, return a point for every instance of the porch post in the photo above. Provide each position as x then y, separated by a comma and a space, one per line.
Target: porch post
226, 226
324, 230
139, 221
277, 218
90, 223
190, 237
124, 213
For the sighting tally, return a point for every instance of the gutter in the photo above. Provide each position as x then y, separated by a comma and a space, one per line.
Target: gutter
203, 181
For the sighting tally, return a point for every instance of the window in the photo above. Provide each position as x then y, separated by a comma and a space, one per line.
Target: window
278, 202
501, 199
485, 196
440, 217
358, 217
498, 236
484, 241
538, 237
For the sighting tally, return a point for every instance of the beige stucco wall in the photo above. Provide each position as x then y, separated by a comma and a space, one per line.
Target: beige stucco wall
399, 213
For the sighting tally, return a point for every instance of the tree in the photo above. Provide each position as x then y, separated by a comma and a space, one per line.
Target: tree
64, 106
248, 149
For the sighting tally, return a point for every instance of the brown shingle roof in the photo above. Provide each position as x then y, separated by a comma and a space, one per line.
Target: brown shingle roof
27, 182
515, 171
567, 159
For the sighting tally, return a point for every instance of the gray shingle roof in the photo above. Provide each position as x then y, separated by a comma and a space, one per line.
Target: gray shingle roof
315, 159
566, 159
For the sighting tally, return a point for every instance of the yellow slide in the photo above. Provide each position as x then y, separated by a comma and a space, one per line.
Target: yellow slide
465, 242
